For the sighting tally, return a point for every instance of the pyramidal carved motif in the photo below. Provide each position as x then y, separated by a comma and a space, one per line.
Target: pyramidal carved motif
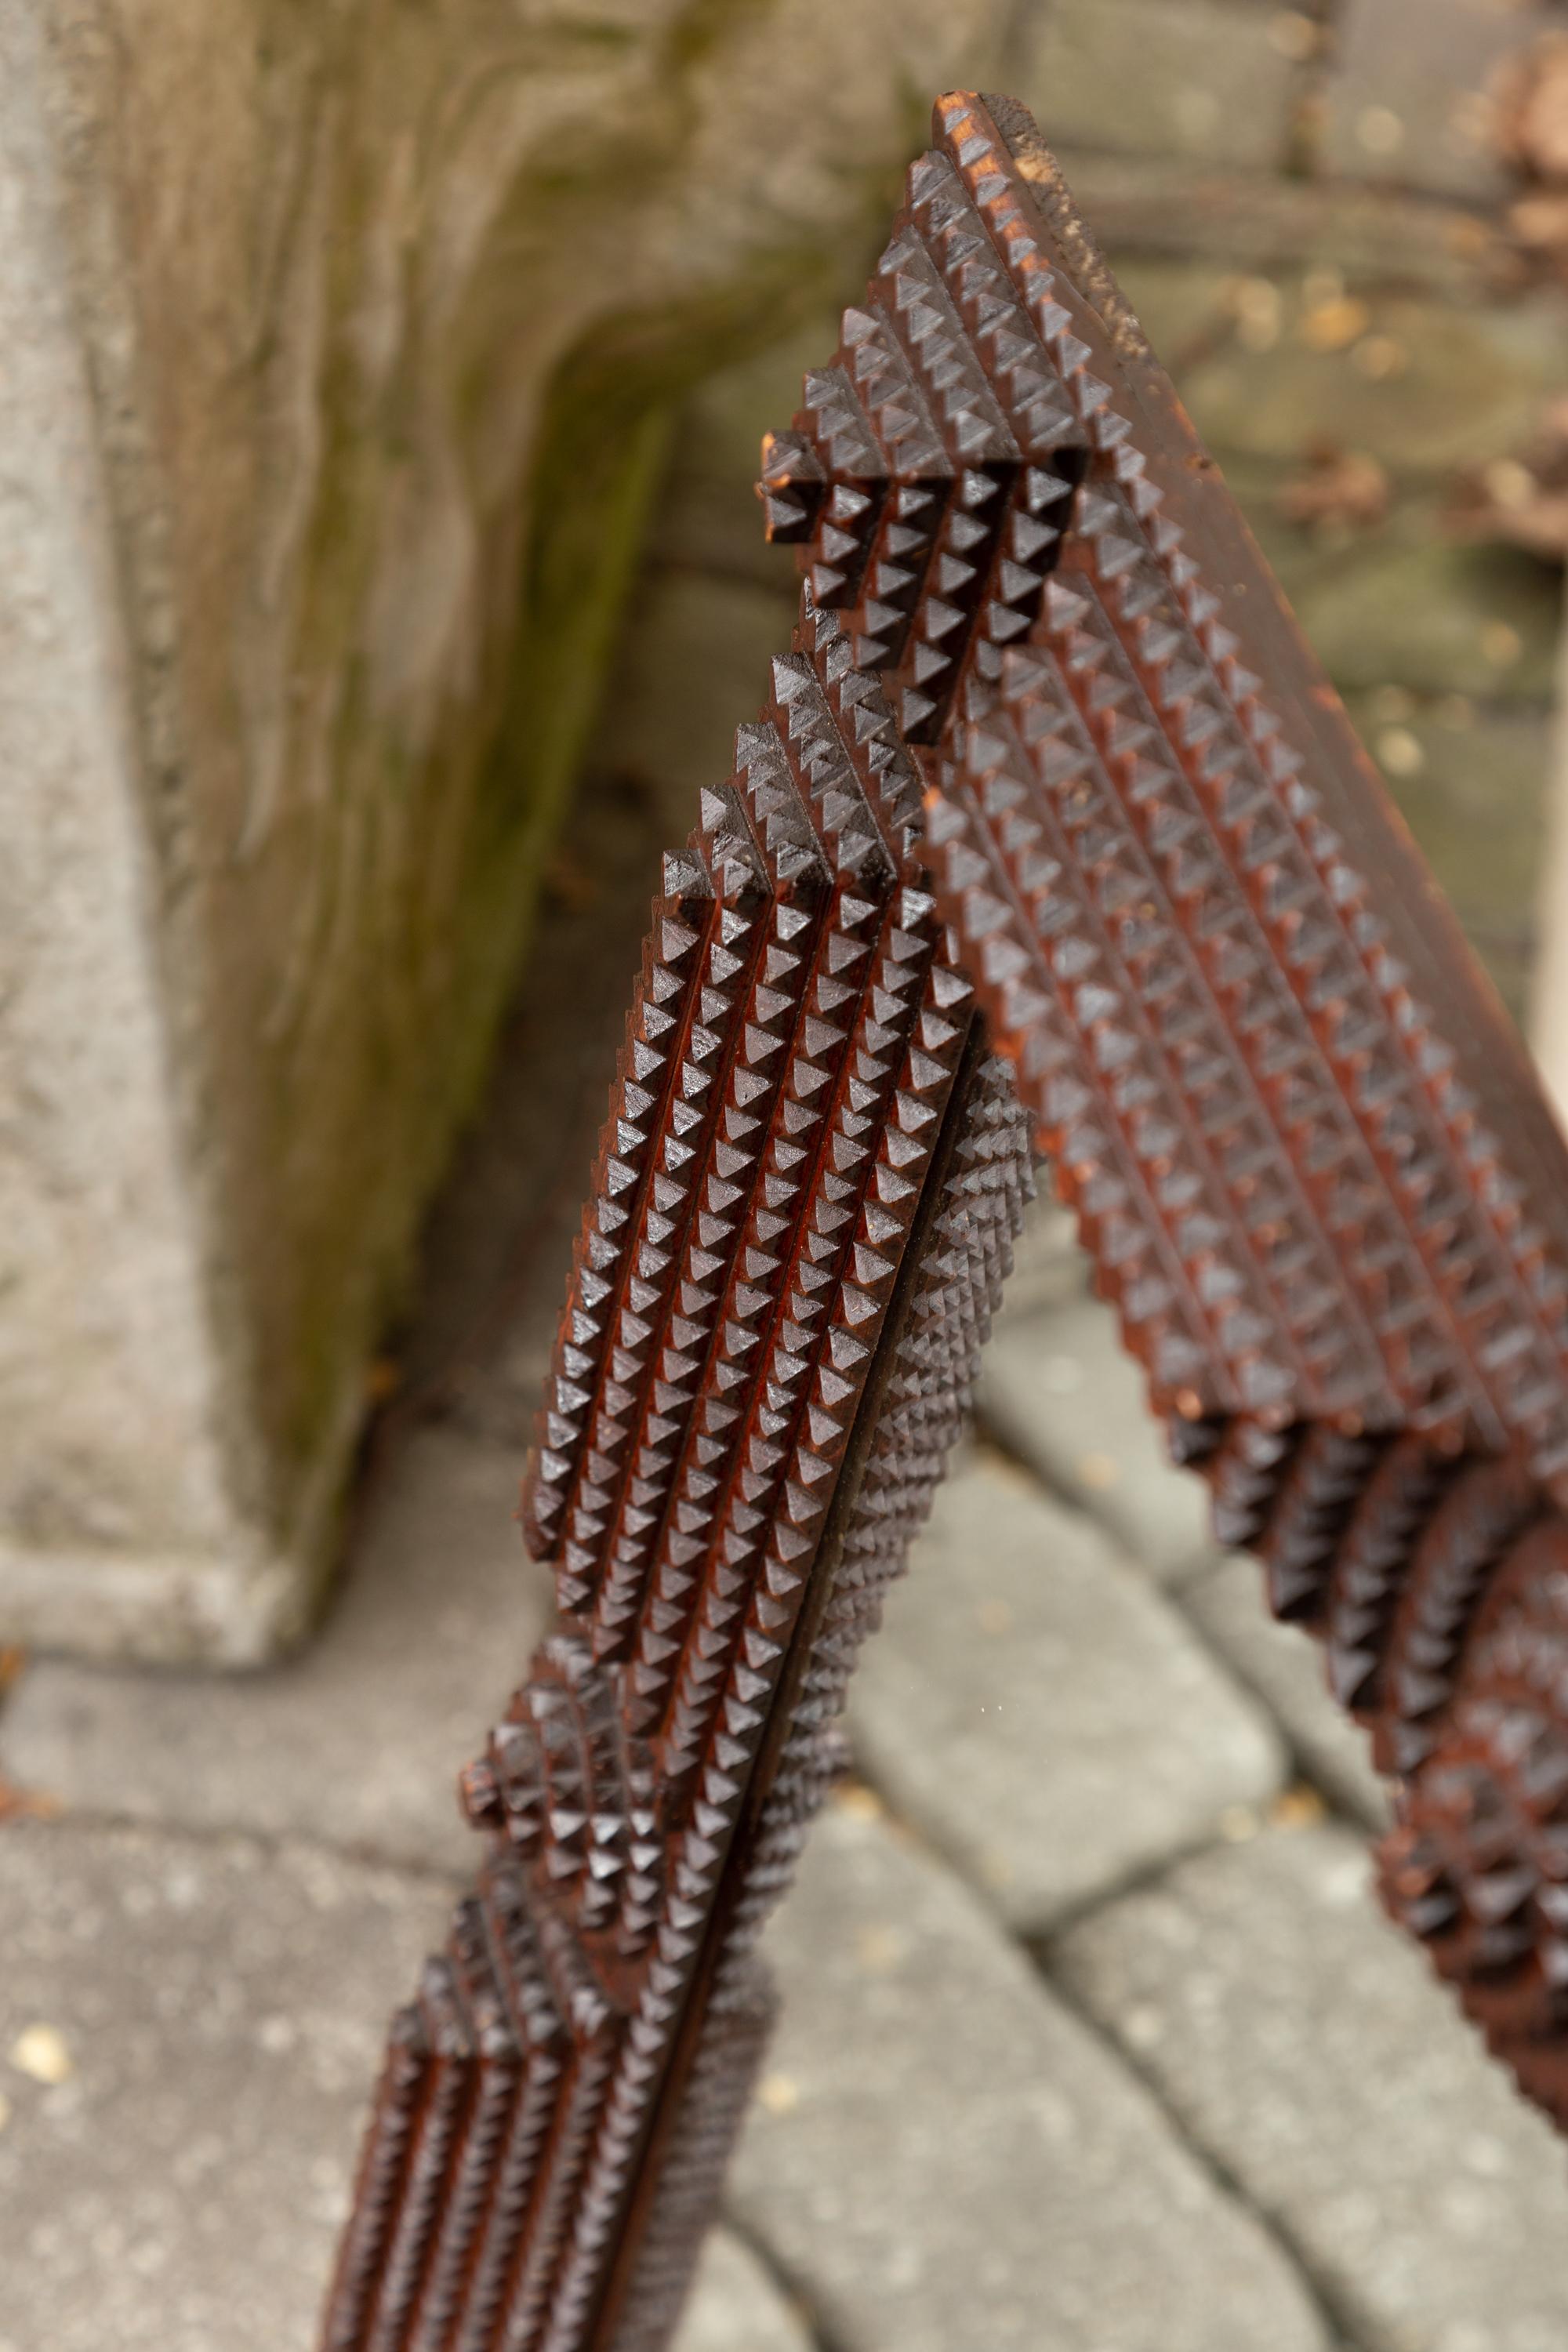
1049, 838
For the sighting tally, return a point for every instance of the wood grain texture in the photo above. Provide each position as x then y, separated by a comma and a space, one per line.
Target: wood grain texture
1049, 837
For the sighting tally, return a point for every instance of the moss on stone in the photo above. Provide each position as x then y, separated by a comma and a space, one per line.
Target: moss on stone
599, 456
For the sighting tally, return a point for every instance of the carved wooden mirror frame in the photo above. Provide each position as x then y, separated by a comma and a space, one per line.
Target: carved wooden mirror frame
1050, 838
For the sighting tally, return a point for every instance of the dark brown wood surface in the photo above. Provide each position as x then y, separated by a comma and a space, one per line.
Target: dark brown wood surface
1050, 838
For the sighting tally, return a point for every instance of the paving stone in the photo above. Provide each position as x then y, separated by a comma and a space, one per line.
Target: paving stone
1402, 604
1285, 1667
359, 1741
1184, 304
1060, 1390
1203, 79
735, 2306
1473, 787
1308, 2048
1422, 385
1406, 103
221, 2006
944, 2158
1143, 205
1408, 610
1042, 1713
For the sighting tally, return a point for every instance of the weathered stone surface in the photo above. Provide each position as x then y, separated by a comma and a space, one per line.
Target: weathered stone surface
1474, 791
1182, 305
1202, 78
1407, 99
1285, 1667
1422, 385
694, 666
1041, 1713
1060, 1390
498, 1247
1146, 204
1307, 2048
382, 312
1404, 607
221, 2006
708, 518
735, 2306
361, 1741
944, 2158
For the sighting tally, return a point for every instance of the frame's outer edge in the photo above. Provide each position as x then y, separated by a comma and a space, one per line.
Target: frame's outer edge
1051, 833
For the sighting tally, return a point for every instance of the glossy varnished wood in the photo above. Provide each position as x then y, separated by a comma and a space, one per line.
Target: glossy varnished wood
1049, 837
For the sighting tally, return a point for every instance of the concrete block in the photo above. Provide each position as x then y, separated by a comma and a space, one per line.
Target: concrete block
1058, 1389
1307, 2048
943, 2156
1042, 1714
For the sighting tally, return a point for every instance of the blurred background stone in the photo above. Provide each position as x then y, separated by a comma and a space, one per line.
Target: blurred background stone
1411, 96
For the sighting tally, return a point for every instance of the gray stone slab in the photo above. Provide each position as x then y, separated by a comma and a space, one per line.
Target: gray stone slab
221, 2006
1424, 385
118, 1526
1407, 607
1205, 80
359, 1741
1144, 205
1060, 1390
1475, 789
1406, 101
1309, 2049
1372, 363
943, 2158
1285, 1667
736, 2306
1042, 1713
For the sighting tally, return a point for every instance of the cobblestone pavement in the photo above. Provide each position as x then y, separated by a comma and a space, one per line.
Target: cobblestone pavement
1094, 2041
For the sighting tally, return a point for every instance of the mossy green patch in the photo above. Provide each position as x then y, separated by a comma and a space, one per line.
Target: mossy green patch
599, 456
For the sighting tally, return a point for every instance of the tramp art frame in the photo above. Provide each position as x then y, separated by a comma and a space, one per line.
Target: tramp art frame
1050, 840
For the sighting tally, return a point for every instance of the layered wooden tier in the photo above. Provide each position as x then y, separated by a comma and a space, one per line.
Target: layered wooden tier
798, 1226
